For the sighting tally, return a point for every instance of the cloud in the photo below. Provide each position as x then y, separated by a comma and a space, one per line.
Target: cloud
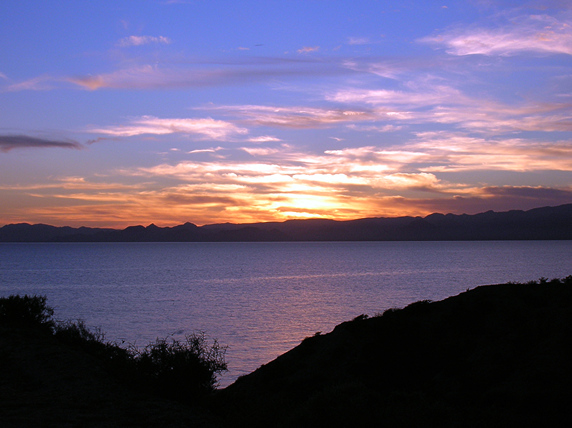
278, 183
295, 117
203, 128
437, 95
383, 128
429, 103
446, 152
534, 33
308, 49
454, 152
283, 171
529, 192
342, 184
259, 151
210, 202
390, 68
143, 40
41, 83
414, 181
492, 117
210, 150
489, 198
358, 41
141, 77
11, 142
208, 74
264, 139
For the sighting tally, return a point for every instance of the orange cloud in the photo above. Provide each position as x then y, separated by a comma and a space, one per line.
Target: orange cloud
274, 183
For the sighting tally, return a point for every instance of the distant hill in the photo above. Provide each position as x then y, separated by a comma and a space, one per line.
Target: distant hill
540, 223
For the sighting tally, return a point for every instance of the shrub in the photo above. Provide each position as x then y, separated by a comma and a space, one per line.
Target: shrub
77, 332
26, 311
182, 369
118, 361
174, 369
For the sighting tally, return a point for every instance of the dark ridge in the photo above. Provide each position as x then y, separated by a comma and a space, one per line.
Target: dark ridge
548, 223
24, 232
495, 356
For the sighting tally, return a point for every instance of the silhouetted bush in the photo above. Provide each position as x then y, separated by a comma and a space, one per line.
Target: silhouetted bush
26, 311
117, 360
181, 370
77, 332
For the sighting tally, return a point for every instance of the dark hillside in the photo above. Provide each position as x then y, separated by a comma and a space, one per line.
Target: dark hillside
493, 356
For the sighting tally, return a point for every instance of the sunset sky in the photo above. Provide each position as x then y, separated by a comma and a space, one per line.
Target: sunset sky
115, 113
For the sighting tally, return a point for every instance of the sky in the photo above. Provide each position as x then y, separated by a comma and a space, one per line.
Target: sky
117, 113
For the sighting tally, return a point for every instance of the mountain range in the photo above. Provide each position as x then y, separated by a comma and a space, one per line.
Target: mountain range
546, 223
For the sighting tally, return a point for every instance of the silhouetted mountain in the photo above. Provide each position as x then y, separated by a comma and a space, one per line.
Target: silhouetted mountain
539, 223
24, 232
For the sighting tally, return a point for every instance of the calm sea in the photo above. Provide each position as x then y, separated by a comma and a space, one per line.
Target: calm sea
259, 299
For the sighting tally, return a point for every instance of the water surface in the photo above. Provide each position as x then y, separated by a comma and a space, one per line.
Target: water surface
259, 299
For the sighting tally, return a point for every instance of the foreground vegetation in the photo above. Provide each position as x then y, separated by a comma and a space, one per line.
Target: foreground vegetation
49, 355
492, 356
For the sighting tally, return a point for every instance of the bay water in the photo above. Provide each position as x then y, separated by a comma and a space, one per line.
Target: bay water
258, 299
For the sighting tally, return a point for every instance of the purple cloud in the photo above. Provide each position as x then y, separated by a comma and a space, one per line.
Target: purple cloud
11, 142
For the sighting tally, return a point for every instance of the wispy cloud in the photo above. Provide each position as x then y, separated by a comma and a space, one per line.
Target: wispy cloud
534, 33
358, 41
264, 139
143, 40
202, 128
308, 49
255, 70
141, 77
294, 117
12, 142
438, 94
281, 183
41, 83
436, 103
491, 117
373, 128
454, 152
